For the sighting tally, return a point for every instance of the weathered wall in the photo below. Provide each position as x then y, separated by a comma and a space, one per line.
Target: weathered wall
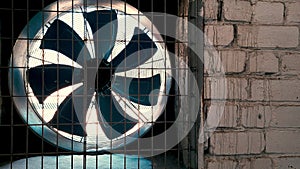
258, 42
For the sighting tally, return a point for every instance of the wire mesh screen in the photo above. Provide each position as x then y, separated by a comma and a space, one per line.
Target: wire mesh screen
96, 84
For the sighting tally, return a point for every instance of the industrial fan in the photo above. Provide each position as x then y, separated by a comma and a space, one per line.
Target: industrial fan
90, 75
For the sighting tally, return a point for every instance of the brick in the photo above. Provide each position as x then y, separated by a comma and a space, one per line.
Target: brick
264, 163
228, 115
263, 62
268, 36
231, 62
225, 88
259, 90
290, 63
256, 116
219, 35
237, 10
285, 116
221, 164
285, 90
288, 162
211, 9
293, 13
268, 13
280, 0
282, 141
232, 143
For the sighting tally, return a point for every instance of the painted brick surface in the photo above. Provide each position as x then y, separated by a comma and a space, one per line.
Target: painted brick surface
264, 62
237, 10
228, 62
219, 34
287, 162
255, 116
268, 36
229, 88
291, 62
258, 46
284, 90
285, 116
293, 13
268, 13
228, 116
282, 141
209, 9
237, 143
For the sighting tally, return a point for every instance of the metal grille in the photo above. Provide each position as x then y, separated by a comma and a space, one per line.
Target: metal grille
58, 140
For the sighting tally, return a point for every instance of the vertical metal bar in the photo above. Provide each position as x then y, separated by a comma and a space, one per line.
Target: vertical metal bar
27, 126
72, 108
42, 149
12, 87
57, 75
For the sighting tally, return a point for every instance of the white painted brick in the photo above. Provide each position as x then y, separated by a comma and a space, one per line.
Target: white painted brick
287, 162
221, 164
238, 163
282, 141
285, 90
211, 9
291, 63
293, 12
219, 35
225, 88
285, 116
232, 61
237, 143
259, 90
268, 36
228, 115
268, 13
237, 10
263, 62
278, 0
261, 163
256, 116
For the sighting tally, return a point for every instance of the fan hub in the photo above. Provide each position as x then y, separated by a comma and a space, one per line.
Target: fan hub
104, 76
102, 71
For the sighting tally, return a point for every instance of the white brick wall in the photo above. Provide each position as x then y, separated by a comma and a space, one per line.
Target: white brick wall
235, 88
231, 143
268, 36
237, 10
268, 13
229, 116
287, 162
219, 35
209, 9
293, 14
285, 116
264, 62
283, 141
258, 44
255, 116
291, 62
284, 90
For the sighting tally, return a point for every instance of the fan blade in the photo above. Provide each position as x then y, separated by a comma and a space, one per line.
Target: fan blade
104, 40
138, 42
46, 79
111, 114
139, 90
65, 118
62, 38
